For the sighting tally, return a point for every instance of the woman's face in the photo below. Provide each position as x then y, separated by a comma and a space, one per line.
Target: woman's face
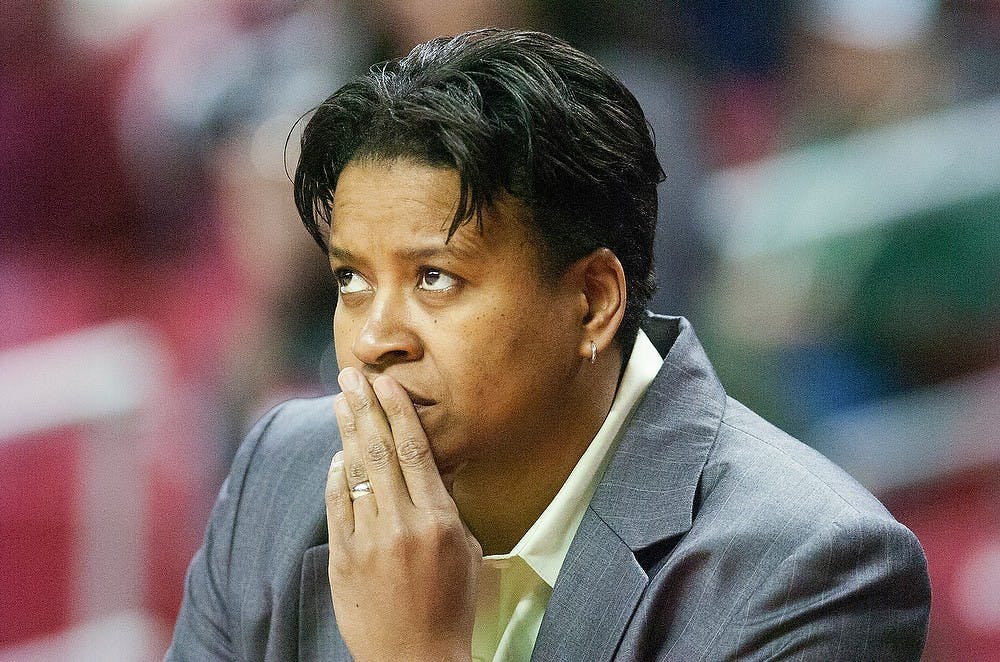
483, 342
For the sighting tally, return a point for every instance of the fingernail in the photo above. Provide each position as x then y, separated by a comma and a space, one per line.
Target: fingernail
350, 379
338, 457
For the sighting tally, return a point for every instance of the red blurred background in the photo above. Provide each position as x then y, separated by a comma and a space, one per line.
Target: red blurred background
829, 223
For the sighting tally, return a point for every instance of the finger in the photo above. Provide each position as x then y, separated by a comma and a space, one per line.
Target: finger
346, 421
339, 511
413, 451
354, 468
375, 446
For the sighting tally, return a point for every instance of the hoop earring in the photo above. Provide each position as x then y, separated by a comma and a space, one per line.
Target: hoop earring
593, 352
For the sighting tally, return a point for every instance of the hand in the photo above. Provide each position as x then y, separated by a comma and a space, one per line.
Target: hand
403, 566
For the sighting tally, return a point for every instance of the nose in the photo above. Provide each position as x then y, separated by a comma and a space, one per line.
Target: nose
387, 336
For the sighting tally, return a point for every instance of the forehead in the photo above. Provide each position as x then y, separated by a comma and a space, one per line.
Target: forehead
404, 203
370, 190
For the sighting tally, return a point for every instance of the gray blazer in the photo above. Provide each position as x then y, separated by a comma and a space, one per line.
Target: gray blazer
712, 536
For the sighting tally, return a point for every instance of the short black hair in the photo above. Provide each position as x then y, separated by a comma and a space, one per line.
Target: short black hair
515, 112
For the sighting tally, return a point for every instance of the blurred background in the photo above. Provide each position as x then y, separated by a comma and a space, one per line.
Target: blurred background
829, 222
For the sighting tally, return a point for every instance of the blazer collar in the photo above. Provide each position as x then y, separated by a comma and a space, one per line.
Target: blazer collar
644, 502
647, 493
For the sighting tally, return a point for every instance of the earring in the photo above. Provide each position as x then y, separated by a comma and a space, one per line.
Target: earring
593, 352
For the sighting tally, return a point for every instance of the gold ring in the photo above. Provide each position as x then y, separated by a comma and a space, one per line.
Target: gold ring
360, 490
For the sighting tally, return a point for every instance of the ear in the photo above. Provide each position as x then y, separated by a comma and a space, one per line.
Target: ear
602, 281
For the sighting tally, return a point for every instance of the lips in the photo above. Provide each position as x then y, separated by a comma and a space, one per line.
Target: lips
419, 400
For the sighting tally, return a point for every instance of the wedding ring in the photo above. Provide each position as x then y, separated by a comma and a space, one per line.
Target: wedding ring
360, 490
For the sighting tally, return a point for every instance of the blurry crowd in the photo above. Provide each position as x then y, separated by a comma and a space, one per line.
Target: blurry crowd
830, 222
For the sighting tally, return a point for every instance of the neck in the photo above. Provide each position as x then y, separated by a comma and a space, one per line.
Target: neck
500, 497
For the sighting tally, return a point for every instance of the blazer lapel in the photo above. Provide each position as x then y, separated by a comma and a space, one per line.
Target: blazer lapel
644, 503
595, 594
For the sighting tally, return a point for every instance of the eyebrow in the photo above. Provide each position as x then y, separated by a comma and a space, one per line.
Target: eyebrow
341, 254
449, 249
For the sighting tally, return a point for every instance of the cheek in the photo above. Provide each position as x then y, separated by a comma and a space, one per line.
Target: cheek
473, 359
507, 358
343, 338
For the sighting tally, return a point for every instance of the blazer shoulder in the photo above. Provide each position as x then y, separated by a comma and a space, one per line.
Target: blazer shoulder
287, 451
789, 555
281, 466
289, 445
751, 452
242, 586
291, 428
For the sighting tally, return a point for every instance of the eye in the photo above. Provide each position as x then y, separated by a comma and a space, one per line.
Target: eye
435, 280
349, 282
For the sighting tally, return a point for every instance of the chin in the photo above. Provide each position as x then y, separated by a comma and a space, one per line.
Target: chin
447, 457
